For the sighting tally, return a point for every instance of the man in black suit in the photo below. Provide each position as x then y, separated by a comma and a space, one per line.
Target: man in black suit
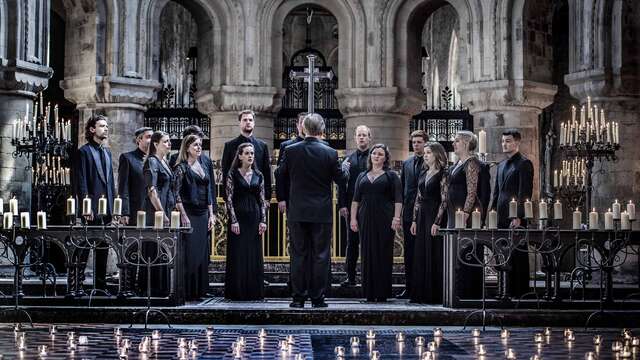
514, 180
282, 186
310, 167
353, 165
411, 170
246, 121
94, 179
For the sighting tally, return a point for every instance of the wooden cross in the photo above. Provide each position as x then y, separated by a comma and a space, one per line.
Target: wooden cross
311, 75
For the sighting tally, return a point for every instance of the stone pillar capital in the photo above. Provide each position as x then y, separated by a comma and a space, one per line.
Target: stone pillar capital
379, 100
605, 87
110, 91
18, 77
507, 96
229, 98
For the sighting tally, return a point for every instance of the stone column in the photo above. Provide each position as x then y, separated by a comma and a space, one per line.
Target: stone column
386, 111
223, 105
502, 104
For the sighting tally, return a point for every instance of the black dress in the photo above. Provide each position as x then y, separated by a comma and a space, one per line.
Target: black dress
247, 207
156, 175
377, 200
193, 191
463, 195
427, 272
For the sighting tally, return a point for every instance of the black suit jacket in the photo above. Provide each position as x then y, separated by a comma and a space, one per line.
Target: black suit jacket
517, 183
409, 187
262, 160
91, 178
345, 193
131, 185
310, 167
282, 185
207, 166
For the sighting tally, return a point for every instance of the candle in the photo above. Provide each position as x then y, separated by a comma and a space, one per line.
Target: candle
86, 206
419, 341
542, 210
493, 220
141, 219
504, 333
7, 220
616, 210
476, 220
482, 142
431, 346
158, 222
1, 206
175, 219
625, 224
616, 346
513, 209
102, 205
371, 334
71, 206
67, 176
597, 339
355, 341
510, 354
13, 206
437, 332
42, 220
25, 220
557, 210
608, 220
631, 209
577, 219
459, 221
593, 220
475, 332
547, 331
528, 209
117, 206
339, 351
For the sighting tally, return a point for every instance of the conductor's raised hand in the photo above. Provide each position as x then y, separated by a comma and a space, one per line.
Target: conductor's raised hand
235, 228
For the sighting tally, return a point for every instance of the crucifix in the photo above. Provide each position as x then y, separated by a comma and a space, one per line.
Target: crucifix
311, 75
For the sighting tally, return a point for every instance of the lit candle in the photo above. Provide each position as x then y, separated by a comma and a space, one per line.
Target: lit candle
419, 341
431, 346
13, 206
543, 210
117, 206
593, 220
1, 206
625, 224
608, 220
400, 337
597, 339
475, 332
339, 351
616, 346
371, 334
482, 142
513, 209
25, 220
102, 205
616, 210
547, 331
504, 333
7, 220
555, 178
482, 350
71, 206
42, 220
590, 356
510, 354
476, 219
528, 209
631, 209
86, 206
538, 337
577, 219
175, 219
158, 223
42, 350
67, 176
459, 221
355, 341
141, 219
492, 222
557, 210
437, 332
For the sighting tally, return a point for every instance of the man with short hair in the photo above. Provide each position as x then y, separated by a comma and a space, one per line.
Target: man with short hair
311, 167
411, 171
353, 165
246, 123
514, 180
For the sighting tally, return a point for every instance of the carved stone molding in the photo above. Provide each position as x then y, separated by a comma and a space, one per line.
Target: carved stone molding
605, 86
110, 89
507, 95
266, 99
22, 77
376, 100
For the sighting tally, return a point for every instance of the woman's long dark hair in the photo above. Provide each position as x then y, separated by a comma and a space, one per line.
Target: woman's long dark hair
156, 138
440, 154
236, 160
386, 165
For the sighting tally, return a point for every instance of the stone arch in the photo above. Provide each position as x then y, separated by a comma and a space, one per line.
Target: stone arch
214, 27
350, 17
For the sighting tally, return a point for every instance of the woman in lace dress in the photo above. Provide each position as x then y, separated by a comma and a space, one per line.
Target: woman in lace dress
247, 219
428, 214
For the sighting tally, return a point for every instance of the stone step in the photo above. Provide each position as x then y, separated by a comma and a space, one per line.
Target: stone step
282, 277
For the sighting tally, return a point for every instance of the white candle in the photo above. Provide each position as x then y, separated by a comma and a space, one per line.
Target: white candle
476, 222
557, 210
71, 206
117, 206
593, 220
13, 206
86, 206
1, 206
555, 178
528, 209
624, 221
482, 142
631, 209
67, 176
158, 223
7, 220
25, 220
577, 219
608, 220
175, 219
460, 223
492, 222
141, 219
102, 205
543, 210
42, 220
513, 209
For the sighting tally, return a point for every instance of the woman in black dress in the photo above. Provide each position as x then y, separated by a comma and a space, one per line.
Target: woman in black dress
375, 216
428, 213
246, 209
158, 178
463, 195
195, 203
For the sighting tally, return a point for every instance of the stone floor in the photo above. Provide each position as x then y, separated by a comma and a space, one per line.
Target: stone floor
308, 342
